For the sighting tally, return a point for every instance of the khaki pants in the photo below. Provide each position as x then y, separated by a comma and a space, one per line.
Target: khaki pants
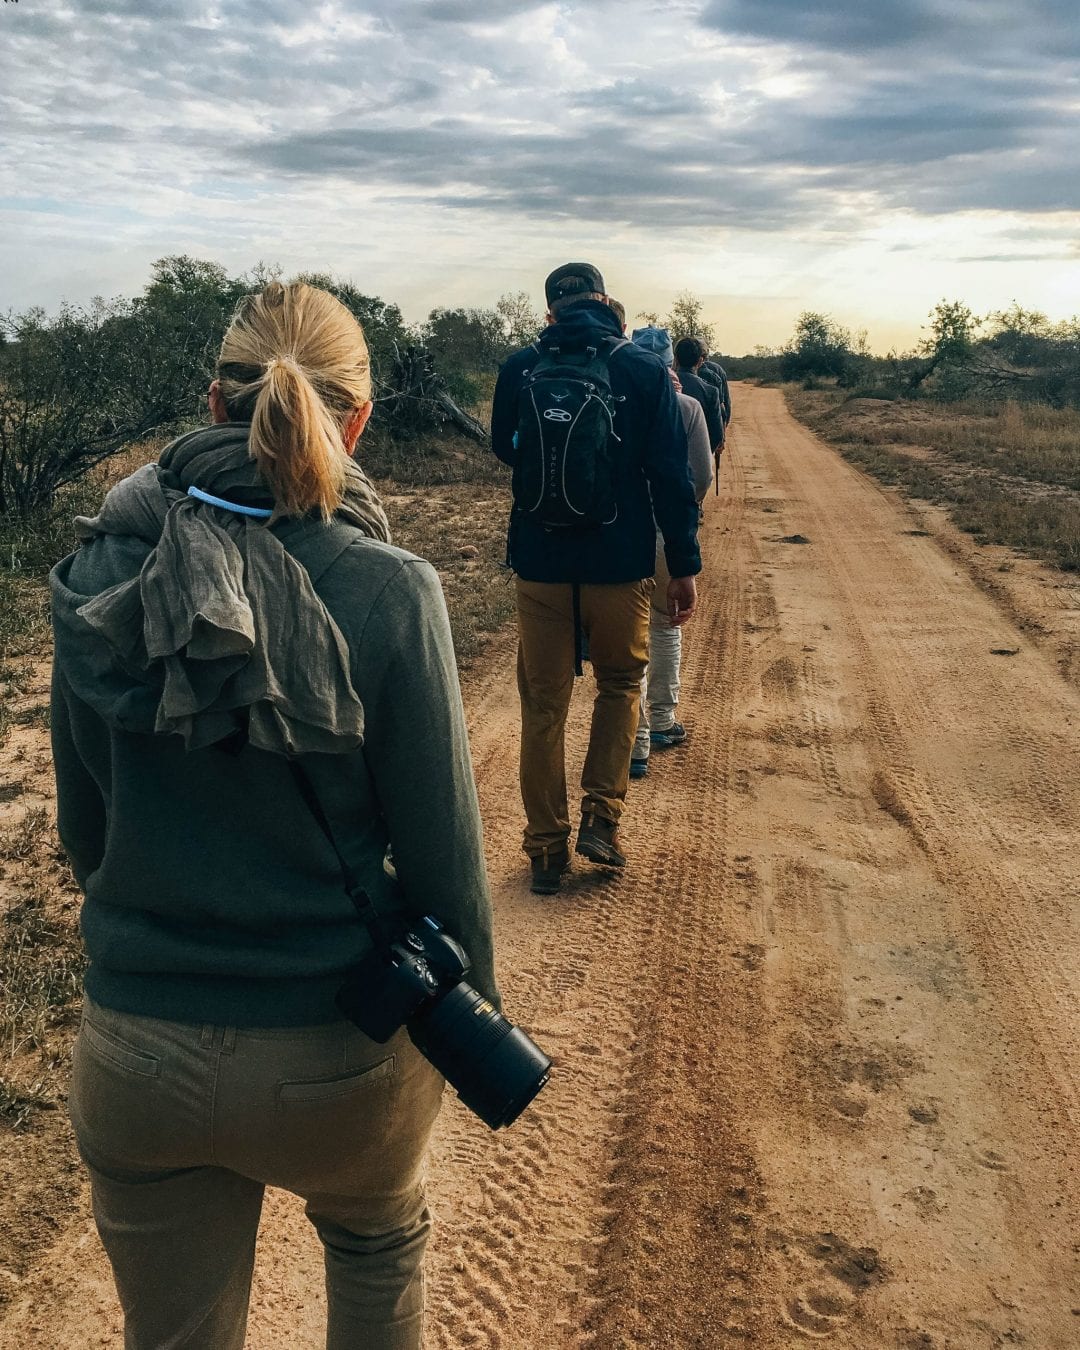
182, 1127
615, 619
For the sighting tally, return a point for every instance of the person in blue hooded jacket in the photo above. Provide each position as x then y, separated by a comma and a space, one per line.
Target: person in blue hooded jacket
609, 567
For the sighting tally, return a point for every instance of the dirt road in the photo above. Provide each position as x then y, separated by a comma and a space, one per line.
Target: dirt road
817, 1048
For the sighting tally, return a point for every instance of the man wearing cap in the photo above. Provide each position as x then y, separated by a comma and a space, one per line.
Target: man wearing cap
609, 567
689, 355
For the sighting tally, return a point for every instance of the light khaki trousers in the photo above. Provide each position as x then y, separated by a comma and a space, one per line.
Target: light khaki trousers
182, 1127
615, 621
660, 687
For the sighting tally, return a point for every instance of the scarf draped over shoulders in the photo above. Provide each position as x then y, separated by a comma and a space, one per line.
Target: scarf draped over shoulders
221, 626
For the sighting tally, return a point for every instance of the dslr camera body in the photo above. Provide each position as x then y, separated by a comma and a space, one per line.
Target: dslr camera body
416, 980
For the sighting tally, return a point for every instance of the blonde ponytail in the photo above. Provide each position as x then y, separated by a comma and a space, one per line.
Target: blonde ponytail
295, 364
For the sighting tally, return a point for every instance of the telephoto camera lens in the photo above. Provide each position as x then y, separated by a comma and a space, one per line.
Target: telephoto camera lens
493, 1065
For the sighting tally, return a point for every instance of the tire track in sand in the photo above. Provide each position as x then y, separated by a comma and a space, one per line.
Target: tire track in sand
679, 1266
611, 941
923, 995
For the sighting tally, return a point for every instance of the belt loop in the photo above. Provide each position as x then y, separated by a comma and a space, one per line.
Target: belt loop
206, 1037
228, 1040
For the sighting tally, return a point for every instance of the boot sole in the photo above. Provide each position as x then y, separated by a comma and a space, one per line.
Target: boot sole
602, 854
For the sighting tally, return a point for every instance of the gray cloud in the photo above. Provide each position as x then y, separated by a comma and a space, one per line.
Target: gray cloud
472, 11
1017, 257
968, 28
640, 98
948, 106
596, 173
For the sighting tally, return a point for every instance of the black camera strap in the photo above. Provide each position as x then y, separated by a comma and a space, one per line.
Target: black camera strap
362, 902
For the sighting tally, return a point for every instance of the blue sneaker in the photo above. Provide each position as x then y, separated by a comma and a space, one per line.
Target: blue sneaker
639, 768
672, 735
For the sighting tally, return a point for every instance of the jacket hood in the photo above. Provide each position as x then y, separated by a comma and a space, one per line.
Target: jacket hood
588, 321
178, 617
655, 340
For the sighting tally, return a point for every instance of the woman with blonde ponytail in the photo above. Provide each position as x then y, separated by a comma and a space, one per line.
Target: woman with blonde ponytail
234, 607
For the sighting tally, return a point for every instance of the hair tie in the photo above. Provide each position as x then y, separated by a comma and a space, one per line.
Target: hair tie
287, 360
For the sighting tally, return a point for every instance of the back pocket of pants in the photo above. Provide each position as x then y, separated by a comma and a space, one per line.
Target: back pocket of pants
104, 1045
340, 1085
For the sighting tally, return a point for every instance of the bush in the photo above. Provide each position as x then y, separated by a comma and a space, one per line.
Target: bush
820, 348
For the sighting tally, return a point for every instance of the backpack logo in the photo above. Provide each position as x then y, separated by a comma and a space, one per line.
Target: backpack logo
557, 415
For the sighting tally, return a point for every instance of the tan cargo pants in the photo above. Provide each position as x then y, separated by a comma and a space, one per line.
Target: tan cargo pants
615, 620
183, 1126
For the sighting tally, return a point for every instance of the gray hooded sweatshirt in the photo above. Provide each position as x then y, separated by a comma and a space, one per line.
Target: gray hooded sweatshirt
211, 894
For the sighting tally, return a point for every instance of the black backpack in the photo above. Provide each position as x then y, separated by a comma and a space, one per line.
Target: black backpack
565, 472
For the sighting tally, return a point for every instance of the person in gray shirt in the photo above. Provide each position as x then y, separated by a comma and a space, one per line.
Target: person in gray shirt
235, 606
657, 723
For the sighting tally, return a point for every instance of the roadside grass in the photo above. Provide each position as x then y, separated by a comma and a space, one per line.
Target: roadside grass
432, 461
444, 496
461, 530
41, 965
27, 550
447, 500
40, 954
1008, 475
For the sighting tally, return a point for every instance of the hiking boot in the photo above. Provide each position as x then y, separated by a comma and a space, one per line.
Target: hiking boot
598, 840
547, 870
672, 735
639, 768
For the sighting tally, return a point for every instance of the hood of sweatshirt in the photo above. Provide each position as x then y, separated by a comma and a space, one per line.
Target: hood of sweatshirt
587, 322
179, 617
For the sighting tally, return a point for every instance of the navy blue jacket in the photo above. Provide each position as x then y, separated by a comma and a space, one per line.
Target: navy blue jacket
708, 396
716, 375
652, 487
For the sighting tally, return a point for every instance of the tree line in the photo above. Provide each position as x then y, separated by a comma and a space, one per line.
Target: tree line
81, 384
1014, 353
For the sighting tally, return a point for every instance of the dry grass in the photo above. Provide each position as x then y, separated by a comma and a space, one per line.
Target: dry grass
41, 965
27, 551
443, 495
451, 495
1008, 475
462, 531
429, 462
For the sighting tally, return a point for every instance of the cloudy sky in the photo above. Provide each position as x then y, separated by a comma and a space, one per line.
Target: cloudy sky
863, 157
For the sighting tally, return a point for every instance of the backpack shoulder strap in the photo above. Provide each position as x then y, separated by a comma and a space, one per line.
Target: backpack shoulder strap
317, 548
